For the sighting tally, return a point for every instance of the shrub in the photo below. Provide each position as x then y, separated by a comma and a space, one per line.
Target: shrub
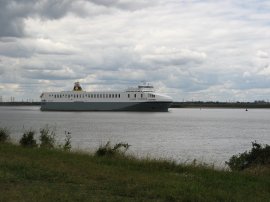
47, 138
108, 150
258, 155
28, 140
4, 134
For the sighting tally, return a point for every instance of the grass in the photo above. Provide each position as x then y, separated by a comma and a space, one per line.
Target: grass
32, 174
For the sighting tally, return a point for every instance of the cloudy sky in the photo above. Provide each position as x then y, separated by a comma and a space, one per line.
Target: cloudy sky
189, 49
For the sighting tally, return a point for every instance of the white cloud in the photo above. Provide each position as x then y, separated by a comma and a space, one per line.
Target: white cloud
191, 49
262, 54
246, 75
264, 71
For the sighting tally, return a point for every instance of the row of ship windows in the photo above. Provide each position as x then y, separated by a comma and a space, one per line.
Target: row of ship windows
149, 95
85, 95
93, 95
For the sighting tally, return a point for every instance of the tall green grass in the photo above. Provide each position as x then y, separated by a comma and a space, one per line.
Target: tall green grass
28, 174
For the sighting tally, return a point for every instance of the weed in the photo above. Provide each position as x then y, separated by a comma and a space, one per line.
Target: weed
108, 150
28, 140
47, 138
67, 145
4, 134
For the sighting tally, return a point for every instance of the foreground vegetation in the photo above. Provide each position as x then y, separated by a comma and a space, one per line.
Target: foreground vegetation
258, 157
43, 172
28, 174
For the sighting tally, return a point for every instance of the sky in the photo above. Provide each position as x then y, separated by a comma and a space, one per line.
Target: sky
196, 50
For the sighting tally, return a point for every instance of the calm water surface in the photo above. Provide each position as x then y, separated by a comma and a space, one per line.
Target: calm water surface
209, 135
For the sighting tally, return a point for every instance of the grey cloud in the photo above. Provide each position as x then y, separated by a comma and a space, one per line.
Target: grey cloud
126, 5
10, 22
54, 9
46, 66
26, 48
14, 49
52, 71
50, 75
253, 82
174, 59
191, 82
1, 69
109, 59
13, 12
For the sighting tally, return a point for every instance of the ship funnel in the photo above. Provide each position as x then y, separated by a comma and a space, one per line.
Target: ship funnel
77, 86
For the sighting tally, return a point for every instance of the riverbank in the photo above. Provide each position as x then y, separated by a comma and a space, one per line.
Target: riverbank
19, 103
198, 104
34, 174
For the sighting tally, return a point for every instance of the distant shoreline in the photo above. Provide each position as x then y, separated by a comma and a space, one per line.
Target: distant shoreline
196, 104
199, 104
19, 103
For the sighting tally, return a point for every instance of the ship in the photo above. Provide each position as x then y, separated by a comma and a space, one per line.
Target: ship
140, 98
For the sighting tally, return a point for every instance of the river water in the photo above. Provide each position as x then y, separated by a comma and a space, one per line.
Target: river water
208, 135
